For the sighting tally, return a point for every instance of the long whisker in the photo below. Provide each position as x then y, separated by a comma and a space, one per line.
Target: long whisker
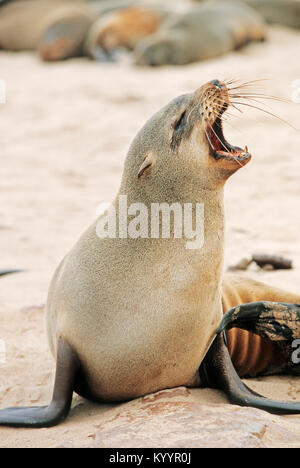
235, 128
249, 83
230, 81
190, 113
251, 99
229, 123
226, 149
260, 96
229, 115
220, 105
234, 106
207, 136
267, 112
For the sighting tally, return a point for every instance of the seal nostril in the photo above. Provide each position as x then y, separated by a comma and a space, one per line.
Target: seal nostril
217, 83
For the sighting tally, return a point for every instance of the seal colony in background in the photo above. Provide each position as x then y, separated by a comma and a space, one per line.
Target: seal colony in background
155, 33
127, 317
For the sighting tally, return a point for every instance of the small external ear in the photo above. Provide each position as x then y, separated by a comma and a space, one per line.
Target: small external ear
148, 163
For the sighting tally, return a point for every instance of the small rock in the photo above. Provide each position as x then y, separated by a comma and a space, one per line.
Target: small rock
241, 265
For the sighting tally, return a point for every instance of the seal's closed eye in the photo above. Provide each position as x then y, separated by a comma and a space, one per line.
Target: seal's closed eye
180, 123
179, 130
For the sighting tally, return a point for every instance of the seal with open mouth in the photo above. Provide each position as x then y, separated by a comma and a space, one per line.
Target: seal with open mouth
131, 315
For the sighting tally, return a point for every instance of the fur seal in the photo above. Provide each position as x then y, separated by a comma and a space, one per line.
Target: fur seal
131, 315
174, 34
55, 28
60, 29
205, 31
122, 25
283, 12
122, 29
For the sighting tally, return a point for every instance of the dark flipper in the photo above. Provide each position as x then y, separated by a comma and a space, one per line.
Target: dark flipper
47, 416
266, 319
9, 272
273, 320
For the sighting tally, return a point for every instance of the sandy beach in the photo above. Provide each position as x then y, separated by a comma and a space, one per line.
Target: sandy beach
65, 131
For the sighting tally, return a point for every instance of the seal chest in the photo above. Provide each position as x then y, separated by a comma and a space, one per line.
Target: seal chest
140, 311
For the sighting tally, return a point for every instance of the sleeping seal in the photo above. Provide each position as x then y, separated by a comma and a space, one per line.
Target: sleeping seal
205, 31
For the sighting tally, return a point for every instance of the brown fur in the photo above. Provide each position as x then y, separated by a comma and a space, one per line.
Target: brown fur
123, 29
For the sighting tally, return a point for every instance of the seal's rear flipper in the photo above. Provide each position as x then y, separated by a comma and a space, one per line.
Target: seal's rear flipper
275, 321
217, 371
47, 416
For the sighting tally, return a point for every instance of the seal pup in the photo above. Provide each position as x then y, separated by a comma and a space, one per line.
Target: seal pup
127, 316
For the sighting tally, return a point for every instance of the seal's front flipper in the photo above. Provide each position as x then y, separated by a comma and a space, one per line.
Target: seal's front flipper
273, 320
217, 371
47, 416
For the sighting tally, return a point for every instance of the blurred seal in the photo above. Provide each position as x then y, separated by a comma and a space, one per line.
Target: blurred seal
205, 31
55, 28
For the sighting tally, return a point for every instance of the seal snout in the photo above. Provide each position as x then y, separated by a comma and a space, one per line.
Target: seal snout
218, 84
214, 98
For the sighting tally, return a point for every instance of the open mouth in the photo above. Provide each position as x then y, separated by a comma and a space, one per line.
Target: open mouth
219, 147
